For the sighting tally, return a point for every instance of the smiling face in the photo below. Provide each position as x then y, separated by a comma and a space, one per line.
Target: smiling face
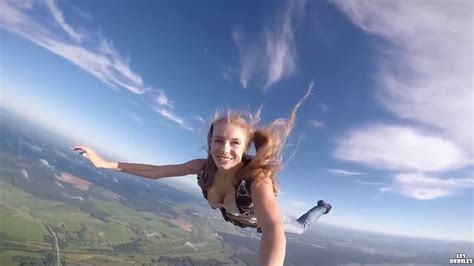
227, 144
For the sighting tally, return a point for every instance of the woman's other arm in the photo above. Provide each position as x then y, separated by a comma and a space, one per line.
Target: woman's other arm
273, 241
160, 171
144, 170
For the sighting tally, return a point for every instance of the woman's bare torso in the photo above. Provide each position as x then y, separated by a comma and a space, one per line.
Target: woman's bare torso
221, 191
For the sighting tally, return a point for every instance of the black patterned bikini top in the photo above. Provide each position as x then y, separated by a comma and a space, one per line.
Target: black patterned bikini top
243, 200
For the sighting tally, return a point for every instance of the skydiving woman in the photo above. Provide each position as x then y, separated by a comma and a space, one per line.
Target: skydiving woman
242, 186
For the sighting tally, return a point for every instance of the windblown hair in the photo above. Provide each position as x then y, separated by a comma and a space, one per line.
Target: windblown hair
268, 142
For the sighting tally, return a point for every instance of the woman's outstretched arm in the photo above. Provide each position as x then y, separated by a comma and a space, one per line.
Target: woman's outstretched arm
144, 170
273, 241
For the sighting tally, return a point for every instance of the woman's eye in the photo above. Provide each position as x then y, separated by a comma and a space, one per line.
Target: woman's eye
217, 140
236, 143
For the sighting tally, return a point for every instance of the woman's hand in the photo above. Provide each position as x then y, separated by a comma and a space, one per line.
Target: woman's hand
93, 157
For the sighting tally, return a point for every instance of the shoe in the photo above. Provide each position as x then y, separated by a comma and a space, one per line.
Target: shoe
325, 205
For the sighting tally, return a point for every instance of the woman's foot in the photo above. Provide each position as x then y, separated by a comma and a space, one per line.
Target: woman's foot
315, 213
323, 204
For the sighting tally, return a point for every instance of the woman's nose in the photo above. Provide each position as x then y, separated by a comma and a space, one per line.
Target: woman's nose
226, 147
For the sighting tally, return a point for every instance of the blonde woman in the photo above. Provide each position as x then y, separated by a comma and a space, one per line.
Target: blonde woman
243, 187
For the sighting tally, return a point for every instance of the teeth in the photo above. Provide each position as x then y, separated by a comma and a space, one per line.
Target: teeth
222, 158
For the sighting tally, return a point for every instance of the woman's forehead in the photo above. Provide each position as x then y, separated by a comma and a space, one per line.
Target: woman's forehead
229, 130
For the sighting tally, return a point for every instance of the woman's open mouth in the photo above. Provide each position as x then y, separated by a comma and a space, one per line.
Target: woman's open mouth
224, 159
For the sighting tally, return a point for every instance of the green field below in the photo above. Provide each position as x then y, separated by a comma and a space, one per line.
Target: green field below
6, 257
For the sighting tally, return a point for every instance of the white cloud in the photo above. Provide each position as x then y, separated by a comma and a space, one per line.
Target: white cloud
276, 55
400, 148
163, 100
371, 183
342, 172
426, 74
422, 187
280, 45
59, 18
425, 77
291, 208
170, 116
24, 173
317, 124
97, 56
200, 119
45, 163
173, 118
248, 57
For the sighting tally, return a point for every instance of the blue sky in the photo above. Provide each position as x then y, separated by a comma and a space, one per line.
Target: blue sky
386, 137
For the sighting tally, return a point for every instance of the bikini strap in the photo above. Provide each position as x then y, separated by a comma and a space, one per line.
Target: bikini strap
203, 179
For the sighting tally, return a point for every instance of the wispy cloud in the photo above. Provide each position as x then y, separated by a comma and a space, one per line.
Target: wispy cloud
45, 163
248, 56
300, 138
292, 208
317, 124
399, 148
426, 72
91, 52
276, 54
85, 51
200, 119
425, 77
228, 74
163, 100
323, 107
59, 19
24, 173
170, 116
371, 183
422, 187
342, 172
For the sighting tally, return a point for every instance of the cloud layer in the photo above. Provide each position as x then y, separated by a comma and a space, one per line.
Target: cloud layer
400, 148
424, 187
425, 78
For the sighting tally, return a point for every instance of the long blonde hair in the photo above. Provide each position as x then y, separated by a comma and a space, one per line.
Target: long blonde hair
268, 142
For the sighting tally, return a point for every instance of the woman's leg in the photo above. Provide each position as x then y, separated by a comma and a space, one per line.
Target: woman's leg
302, 224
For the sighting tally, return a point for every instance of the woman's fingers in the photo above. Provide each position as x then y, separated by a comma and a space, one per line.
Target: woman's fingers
80, 148
89, 154
84, 151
